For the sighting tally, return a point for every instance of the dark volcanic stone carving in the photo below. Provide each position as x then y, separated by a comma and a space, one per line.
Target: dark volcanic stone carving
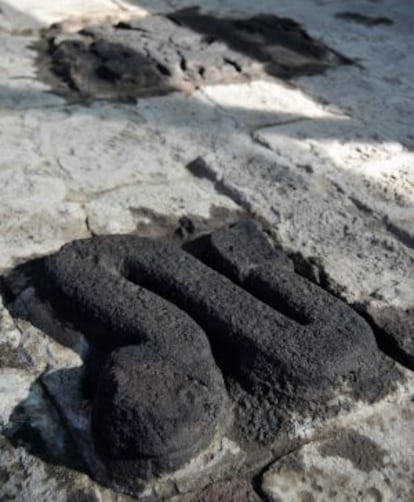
300, 341
150, 415
182, 51
160, 397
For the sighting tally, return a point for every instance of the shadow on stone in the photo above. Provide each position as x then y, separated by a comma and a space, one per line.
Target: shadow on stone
394, 329
37, 425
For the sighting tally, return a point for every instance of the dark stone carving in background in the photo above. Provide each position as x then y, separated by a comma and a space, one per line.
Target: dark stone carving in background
180, 51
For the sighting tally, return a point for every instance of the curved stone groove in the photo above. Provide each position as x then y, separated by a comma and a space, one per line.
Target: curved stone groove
253, 342
160, 398
335, 342
269, 350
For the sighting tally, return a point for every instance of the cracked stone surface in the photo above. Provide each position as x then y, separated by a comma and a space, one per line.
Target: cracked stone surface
326, 160
368, 460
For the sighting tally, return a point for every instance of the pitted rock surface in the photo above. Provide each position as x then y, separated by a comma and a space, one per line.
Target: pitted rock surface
287, 343
315, 320
317, 344
182, 51
154, 411
167, 406
268, 348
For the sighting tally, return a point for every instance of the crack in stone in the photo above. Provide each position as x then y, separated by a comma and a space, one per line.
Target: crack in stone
200, 169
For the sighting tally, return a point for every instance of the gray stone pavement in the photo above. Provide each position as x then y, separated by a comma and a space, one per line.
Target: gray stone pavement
326, 160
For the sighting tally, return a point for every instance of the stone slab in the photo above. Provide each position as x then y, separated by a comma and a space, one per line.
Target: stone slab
369, 460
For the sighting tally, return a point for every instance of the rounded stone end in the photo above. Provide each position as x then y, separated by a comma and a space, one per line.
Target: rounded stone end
151, 417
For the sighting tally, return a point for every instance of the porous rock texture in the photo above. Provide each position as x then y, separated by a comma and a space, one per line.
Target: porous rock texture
179, 51
295, 344
321, 323
150, 416
159, 402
